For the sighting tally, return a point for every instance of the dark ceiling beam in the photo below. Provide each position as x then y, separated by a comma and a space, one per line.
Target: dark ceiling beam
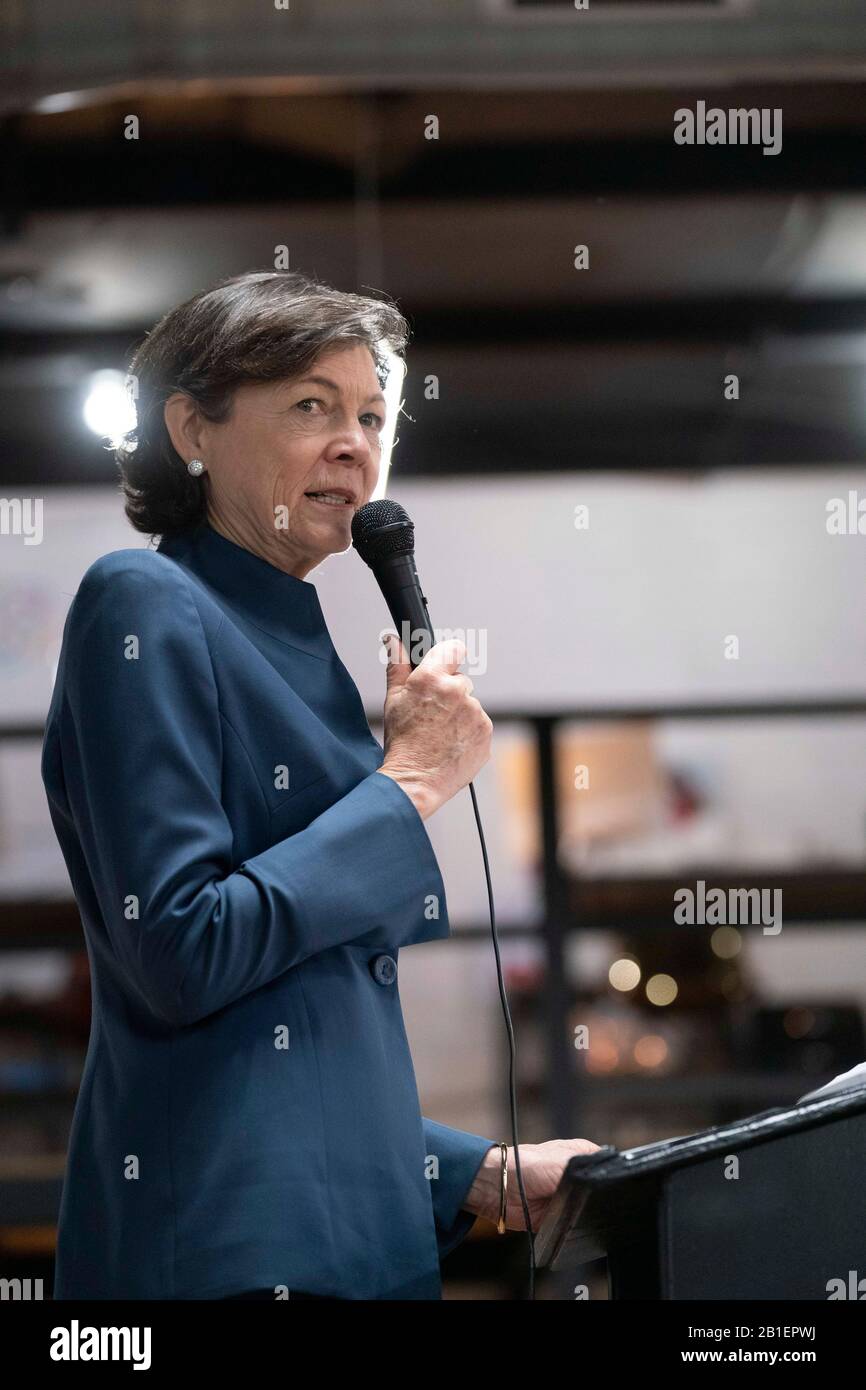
190, 169
730, 320
715, 321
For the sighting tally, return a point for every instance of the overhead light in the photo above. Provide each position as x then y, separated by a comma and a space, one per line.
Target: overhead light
661, 990
108, 407
55, 102
624, 974
726, 942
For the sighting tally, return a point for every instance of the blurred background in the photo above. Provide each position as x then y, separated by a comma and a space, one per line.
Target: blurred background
622, 462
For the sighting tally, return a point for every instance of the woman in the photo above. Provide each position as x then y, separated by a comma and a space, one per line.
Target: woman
247, 858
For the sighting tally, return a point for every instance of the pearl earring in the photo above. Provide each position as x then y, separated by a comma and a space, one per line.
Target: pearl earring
195, 467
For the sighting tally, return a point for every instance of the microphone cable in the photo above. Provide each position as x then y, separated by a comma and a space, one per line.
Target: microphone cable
511, 1046
384, 536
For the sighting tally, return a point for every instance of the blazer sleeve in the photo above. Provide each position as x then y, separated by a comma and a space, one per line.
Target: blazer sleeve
459, 1156
140, 733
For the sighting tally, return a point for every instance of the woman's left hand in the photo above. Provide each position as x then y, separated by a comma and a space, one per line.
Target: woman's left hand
541, 1165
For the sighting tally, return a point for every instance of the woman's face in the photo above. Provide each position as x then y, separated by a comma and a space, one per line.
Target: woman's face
283, 441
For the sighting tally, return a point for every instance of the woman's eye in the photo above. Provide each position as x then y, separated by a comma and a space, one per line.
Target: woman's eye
377, 421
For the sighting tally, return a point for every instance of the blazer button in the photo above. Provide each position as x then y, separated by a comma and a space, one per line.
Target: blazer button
384, 970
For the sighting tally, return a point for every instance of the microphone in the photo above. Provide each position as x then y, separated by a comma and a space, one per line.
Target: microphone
384, 537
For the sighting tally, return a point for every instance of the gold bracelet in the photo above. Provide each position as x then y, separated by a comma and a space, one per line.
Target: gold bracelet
503, 1188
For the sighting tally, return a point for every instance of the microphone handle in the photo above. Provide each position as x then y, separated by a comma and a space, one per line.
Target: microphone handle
401, 588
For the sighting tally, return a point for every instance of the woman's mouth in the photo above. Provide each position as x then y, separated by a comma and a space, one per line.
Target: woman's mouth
330, 499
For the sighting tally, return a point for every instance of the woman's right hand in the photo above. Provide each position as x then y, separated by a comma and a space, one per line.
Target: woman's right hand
541, 1167
437, 734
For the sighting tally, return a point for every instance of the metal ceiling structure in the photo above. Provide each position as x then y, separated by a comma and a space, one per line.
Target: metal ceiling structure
53, 49
555, 129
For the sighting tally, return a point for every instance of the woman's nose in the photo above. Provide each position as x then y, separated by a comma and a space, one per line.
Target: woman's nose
353, 439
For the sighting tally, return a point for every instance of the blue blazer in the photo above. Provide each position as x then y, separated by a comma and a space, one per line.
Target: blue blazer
248, 1114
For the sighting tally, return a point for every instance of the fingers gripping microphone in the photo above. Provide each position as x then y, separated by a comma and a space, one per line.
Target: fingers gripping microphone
384, 537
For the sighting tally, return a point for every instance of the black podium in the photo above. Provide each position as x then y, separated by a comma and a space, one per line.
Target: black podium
770, 1207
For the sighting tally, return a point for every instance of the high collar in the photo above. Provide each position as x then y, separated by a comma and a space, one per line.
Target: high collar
286, 607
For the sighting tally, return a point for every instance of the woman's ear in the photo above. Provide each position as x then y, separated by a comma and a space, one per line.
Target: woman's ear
184, 425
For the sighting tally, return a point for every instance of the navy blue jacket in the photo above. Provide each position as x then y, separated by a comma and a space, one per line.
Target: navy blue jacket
248, 1114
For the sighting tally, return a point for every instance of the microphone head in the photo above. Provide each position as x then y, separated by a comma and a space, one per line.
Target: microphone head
381, 529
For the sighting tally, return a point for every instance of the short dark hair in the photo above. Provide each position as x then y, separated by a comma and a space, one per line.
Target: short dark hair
261, 326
